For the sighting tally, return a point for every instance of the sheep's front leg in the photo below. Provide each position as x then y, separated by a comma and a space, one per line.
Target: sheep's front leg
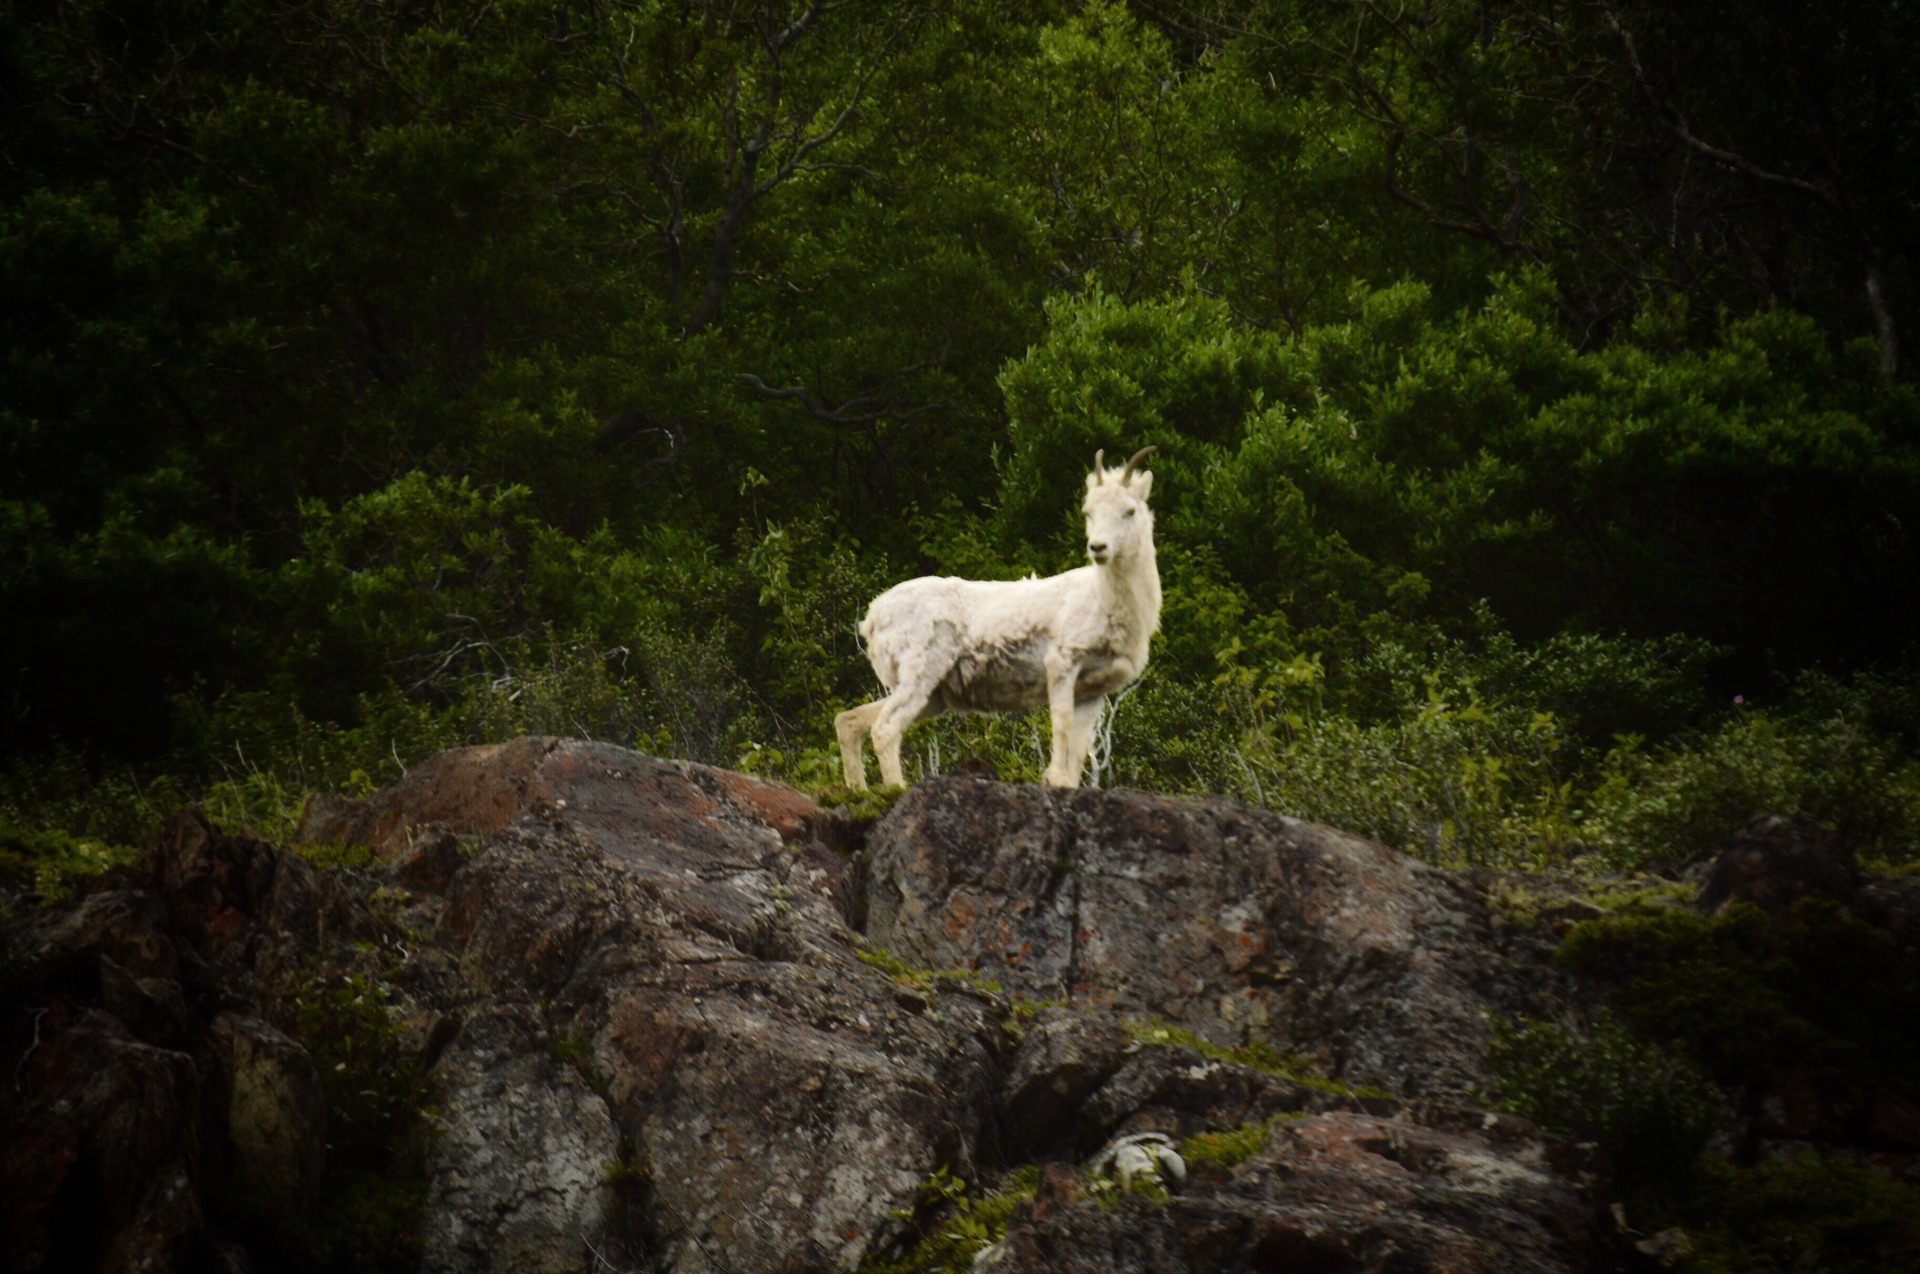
1086, 715
1062, 675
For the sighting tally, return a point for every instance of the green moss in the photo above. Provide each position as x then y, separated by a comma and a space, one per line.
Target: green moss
571, 1048
861, 804
1215, 1153
1256, 1054
1642, 895
628, 1171
1515, 906
925, 980
335, 854
1021, 1011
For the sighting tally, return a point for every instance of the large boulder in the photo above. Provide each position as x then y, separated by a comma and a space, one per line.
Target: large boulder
1236, 923
778, 1097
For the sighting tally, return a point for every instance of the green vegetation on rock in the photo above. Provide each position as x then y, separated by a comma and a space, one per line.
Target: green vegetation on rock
955, 1223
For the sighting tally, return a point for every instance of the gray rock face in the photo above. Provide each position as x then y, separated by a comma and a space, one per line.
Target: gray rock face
272, 1110
1231, 921
780, 1097
523, 1156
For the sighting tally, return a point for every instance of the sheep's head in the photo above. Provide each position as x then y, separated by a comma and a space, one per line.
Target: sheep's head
1118, 519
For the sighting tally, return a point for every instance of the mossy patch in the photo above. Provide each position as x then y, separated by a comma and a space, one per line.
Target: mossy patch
333, 855
572, 1048
1217, 1153
919, 979
1256, 1054
861, 804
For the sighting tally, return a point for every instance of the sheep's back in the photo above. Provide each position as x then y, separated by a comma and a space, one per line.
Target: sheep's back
935, 620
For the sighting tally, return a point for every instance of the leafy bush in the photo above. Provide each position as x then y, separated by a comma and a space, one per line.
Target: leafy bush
1819, 757
1650, 1110
52, 862
1808, 1211
1743, 995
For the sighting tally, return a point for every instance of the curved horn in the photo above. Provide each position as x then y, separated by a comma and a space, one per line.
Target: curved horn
1100, 466
1138, 456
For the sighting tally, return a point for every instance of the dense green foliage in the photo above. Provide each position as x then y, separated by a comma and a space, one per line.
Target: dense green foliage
1743, 995
1649, 1110
380, 380
1708, 1010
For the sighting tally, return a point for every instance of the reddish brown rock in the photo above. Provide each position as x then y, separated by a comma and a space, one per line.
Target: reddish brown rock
781, 1097
1829, 1106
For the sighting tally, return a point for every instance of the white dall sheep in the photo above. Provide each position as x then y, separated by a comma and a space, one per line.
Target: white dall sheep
941, 644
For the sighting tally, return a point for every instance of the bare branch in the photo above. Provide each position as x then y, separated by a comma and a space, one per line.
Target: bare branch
1677, 122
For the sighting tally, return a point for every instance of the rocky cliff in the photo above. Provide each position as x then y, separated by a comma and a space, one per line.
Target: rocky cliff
560, 1006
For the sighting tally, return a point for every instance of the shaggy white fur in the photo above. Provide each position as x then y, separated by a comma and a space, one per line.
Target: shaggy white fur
942, 644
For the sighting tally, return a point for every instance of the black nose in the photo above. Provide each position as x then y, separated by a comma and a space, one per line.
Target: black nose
1093, 547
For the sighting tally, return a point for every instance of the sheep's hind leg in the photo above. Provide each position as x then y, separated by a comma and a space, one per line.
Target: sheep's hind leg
852, 726
897, 711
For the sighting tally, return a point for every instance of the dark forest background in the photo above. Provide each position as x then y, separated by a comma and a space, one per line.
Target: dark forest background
1539, 472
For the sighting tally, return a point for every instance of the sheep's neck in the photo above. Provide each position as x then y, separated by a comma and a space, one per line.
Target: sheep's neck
1132, 587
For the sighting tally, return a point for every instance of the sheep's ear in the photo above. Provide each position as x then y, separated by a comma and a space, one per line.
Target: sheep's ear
1142, 483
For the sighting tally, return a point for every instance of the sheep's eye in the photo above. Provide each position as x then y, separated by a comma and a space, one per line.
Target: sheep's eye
1131, 512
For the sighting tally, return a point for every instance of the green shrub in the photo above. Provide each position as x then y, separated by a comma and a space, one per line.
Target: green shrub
372, 1088
53, 862
1805, 1212
61, 793
1441, 772
1650, 1110
1818, 758
1744, 995
955, 1223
